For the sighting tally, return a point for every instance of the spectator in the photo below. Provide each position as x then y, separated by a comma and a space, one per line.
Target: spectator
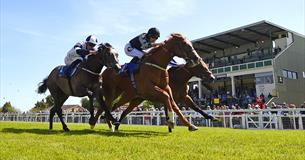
302, 107
269, 96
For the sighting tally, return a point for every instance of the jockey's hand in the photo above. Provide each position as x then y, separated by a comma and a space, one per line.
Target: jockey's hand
155, 44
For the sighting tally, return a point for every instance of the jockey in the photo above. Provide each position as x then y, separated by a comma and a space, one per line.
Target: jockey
79, 52
135, 46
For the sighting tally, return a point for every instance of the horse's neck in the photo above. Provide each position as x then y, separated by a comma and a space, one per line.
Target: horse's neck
92, 64
159, 58
182, 74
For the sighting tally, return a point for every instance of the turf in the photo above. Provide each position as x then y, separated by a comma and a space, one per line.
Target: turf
22, 140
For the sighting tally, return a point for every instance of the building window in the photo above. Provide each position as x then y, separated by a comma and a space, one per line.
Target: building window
285, 73
290, 74
294, 75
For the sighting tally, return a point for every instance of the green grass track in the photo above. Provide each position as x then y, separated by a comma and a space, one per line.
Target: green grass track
31, 141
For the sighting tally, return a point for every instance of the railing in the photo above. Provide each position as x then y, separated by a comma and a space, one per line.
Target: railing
246, 119
242, 66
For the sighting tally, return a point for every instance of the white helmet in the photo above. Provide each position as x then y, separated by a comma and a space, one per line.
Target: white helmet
92, 39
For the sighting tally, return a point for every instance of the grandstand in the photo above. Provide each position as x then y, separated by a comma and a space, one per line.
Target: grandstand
257, 59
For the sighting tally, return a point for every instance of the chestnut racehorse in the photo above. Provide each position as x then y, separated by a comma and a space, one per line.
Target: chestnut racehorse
151, 81
178, 80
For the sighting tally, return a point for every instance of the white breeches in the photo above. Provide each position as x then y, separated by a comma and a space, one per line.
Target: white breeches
71, 57
133, 52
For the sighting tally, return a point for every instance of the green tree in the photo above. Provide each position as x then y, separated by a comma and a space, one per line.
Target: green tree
39, 106
43, 104
85, 103
147, 104
49, 100
7, 108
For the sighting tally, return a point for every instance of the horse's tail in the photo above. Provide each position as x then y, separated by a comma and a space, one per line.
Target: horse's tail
42, 86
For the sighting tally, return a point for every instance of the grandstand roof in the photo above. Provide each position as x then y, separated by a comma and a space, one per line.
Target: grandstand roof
252, 33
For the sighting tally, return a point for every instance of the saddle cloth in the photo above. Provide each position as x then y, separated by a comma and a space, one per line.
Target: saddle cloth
62, 70
129, 68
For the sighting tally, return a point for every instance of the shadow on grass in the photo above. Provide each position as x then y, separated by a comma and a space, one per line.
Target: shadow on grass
102, 132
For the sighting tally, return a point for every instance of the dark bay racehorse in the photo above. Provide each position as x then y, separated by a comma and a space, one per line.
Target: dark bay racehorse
151, 81
178, 80
85, 82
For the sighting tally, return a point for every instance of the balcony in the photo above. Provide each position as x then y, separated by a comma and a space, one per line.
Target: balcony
242, 66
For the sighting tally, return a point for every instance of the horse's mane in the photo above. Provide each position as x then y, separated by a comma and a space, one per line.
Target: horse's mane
173, 68
172, 36
106, 44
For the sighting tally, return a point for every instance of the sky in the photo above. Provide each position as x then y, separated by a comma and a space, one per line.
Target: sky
36, 35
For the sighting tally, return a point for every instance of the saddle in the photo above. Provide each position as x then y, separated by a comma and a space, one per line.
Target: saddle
63, 69
130, 68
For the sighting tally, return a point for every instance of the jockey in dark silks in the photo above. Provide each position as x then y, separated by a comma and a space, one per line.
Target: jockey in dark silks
78, 53
136, 46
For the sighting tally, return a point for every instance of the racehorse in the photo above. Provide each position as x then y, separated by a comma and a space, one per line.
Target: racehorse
178, 79
151, 82
84, 82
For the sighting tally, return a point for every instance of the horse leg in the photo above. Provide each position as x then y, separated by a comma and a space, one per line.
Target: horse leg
167, 118
163, 97
52, 113
91, 110
64, 126
125, 97
59, 100
96, 117
109, 96
132, 104
99, 97
178, 112
189, 102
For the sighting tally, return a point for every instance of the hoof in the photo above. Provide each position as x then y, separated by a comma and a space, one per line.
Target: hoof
171, 125
216, 119
112, 129
212, 118
169, 130
193, 128
116, 127
116, 123
92, 121
92, 126
66, 129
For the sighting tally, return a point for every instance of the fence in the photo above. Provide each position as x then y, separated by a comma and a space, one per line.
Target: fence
246, 119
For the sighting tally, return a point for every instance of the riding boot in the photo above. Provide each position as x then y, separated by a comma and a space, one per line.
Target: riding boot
135, 60
123, 71
71, 67
133, 66
130, 66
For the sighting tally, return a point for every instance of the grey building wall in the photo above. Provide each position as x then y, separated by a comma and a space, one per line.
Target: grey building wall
292, 59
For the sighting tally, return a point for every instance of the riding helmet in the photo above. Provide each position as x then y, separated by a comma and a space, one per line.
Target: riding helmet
92, 39
154, 32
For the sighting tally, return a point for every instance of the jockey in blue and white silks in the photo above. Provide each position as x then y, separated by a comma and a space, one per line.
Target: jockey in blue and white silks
79, 51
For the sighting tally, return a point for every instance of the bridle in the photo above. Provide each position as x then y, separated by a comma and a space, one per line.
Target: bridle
186, 55
104, 59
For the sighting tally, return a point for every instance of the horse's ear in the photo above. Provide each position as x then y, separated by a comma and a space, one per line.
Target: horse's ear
108, 45
177, 35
